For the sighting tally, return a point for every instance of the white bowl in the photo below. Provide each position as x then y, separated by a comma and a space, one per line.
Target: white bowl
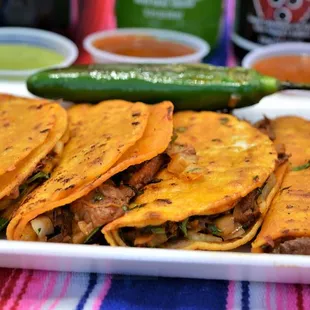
40, 38
99, 56
287, 48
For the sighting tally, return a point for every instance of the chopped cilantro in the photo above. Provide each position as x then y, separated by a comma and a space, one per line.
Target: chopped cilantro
37, 176
138, 206
125, 208
158, 230
183, 226
256, 178
98, 197
224, 120
214, 230
180, 129
156, 180
285, 188
39, 230
174, 137
302, 167
193, 170
3, 223
140, 192
89, 237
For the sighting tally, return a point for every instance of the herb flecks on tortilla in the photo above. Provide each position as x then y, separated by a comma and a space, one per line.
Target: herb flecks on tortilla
302, 167
225, 196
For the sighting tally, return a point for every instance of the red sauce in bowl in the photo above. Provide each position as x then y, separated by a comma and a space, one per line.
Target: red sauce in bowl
293, 68
143, 46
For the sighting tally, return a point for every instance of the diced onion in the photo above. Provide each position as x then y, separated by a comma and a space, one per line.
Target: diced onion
237, 233
203, 237
29, 234
140, 240
157, 240
85, 228
42, 225
271, 182
226, 224
178, 164
59, 147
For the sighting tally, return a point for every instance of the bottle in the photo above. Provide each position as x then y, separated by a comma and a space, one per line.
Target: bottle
262, 22
52, 15
198, 17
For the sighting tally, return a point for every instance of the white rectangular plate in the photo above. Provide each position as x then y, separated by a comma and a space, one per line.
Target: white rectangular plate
233, 265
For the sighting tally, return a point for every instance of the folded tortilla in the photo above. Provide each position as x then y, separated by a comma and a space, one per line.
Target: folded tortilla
285, 229
214, 193
31, 141
80, 195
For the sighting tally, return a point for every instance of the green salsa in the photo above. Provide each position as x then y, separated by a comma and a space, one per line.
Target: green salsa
27, 57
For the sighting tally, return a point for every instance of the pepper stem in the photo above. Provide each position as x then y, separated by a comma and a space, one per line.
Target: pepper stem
289, 85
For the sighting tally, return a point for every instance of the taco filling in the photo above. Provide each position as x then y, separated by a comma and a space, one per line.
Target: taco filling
229, 225
41, 173
115, 149
285, 229
77, 221
288, 245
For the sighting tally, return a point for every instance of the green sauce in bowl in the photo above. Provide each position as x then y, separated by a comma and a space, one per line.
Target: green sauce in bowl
27, 57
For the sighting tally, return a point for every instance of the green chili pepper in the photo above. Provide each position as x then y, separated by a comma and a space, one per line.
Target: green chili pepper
188, 86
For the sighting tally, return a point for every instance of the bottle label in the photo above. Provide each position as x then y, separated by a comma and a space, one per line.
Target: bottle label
261, 22
199, 17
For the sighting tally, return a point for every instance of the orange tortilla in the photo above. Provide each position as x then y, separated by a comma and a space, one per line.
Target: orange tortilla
26, 166
289, 214
235, 158
105, 139
25, 126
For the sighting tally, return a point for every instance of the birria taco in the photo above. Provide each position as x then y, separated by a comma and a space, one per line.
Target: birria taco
115, 149
32, 136
213, 194
286, 228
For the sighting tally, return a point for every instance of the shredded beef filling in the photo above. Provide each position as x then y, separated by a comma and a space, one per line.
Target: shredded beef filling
109, 201
265, 126
44, 166
146, 173
282, 156
103, 204
62, 222
296, 246
246, 212
213, 228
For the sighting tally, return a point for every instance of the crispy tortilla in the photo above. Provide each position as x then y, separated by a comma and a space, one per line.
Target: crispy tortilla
234, 159
105, 139
26, 125
34, 132
288, 217
26, 166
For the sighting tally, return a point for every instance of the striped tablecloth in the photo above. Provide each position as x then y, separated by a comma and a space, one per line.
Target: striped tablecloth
26, 289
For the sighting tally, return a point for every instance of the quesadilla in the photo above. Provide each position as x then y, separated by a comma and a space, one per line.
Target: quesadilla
115, 149
285, 229
214, 192
31, 141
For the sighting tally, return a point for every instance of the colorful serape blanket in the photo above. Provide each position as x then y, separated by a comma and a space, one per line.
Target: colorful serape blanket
27, 289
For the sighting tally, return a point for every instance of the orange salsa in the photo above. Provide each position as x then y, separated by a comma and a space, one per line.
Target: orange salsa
293, 68
142, 46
